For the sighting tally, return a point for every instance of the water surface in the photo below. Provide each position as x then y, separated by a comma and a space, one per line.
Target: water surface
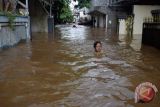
62, 71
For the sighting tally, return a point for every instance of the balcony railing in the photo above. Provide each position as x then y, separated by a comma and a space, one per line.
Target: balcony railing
152, 19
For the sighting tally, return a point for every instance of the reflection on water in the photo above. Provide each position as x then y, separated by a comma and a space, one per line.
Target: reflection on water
133, 41
60, 70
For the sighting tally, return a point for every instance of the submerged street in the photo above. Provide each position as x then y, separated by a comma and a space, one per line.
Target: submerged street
62, 70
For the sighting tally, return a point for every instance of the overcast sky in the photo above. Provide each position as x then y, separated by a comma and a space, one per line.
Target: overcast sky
73, 4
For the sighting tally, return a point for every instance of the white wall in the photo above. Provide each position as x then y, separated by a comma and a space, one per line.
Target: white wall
140, 12
81, 15
122, 27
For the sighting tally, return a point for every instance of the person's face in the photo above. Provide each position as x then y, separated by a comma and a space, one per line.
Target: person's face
98, 47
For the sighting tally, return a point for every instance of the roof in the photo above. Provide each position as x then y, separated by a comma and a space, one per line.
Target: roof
98, 10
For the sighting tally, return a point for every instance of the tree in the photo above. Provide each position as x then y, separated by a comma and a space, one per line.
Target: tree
62, 11
83, 3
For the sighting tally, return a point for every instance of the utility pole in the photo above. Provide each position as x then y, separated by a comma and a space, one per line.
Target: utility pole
50, 12
27, 7
50, 19
28, 24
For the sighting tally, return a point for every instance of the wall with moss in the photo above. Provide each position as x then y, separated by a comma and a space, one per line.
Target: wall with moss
9, 36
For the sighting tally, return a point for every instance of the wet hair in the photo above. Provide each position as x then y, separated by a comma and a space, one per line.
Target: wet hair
95, 44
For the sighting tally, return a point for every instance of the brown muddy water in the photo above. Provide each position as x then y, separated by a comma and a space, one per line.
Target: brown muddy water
62, 71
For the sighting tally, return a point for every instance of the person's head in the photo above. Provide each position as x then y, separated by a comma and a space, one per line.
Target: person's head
97, 46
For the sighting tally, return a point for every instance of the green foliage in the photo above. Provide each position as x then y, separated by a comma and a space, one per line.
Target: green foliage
11, 17
84, 3
65, 12
1, 13
129, 25
66, 15
62, 11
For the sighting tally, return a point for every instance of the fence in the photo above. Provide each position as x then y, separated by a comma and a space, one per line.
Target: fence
151, 33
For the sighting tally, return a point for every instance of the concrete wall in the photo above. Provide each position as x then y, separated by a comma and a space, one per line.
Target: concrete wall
122, 27
102, 21
10, 37
112, 24
39, 18
140, 12
39, 23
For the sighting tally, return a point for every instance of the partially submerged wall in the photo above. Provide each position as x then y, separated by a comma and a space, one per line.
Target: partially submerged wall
38, 17
9, 36
140, 12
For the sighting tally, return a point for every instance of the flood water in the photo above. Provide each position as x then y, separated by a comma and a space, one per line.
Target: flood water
62, 71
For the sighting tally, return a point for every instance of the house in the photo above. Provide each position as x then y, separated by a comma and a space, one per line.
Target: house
98, 12
80, 15
36, 16
104, 16
138, 9
114, 14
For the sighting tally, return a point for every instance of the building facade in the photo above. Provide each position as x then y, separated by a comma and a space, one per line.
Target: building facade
98, 12
115, 15
138, 9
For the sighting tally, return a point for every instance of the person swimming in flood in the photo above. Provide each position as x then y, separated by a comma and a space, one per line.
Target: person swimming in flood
74, 26
98, 48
